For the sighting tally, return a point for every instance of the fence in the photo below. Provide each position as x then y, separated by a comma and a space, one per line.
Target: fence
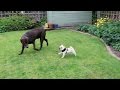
115, 15
37, 15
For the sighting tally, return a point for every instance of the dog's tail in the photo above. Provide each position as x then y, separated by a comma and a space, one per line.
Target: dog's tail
73, 50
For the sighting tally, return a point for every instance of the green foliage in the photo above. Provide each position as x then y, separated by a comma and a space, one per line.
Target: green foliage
15, 23
42, 22
116, 46
92, 29
108, 31
112, 37
83, 27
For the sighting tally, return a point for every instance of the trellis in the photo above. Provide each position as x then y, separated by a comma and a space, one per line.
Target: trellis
115, 15
8, 13
37, 15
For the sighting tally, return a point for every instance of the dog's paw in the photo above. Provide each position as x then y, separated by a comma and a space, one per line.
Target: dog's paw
40, 48
59, 53
36, 49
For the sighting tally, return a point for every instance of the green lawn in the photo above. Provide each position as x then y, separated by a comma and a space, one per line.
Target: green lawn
92, 60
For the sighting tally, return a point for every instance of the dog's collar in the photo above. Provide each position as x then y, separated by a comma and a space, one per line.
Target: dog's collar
63, 49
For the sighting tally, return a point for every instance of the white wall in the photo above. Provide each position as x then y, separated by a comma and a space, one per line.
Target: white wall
69, 17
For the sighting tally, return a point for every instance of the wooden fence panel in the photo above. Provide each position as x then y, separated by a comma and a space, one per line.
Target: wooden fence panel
114, 15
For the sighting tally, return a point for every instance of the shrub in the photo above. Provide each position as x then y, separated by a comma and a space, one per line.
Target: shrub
42, 22
106, 36
106, 29
116, 46
14, 23
92, 29
101, 21
111, 36
83, 28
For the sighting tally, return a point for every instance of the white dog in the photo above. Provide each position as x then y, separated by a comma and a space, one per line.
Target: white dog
64, 50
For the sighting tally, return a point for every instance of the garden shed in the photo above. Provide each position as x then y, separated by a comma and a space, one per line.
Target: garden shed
68, 18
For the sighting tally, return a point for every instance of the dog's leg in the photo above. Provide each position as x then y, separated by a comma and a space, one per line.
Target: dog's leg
46, 41
60, 53
22, 50
34, 46
74, 52
41, 43
63, 55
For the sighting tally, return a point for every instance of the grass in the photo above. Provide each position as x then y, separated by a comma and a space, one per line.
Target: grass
92, 60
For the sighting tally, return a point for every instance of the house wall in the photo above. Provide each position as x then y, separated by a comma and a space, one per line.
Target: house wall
66, 18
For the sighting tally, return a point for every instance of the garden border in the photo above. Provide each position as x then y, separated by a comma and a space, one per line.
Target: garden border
107, 47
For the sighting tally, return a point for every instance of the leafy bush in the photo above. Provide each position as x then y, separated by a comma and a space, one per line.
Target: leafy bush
116, 46
42, 22
83, 28
92, 29
111, 34
106, 36
106, 29
14, 23
101, 21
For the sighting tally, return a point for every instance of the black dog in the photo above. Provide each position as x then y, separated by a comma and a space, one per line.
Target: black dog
30, 37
